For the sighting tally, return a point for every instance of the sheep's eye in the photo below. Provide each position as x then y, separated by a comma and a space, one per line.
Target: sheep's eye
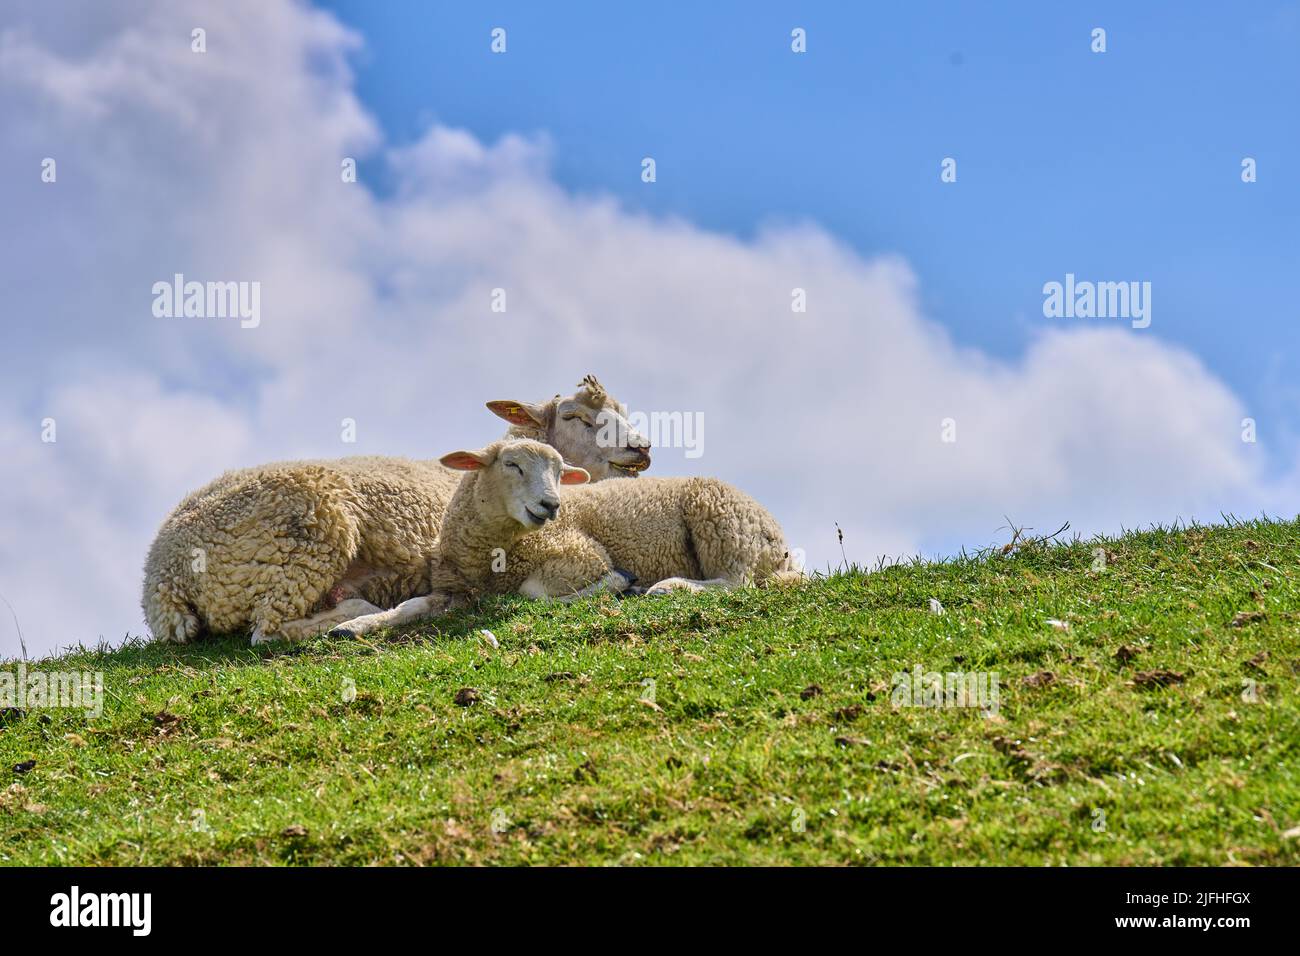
511, 464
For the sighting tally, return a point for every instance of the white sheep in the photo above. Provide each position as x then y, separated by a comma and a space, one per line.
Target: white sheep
510, 529
291, 548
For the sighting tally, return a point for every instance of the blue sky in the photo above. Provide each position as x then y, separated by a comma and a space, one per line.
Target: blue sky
1122, 165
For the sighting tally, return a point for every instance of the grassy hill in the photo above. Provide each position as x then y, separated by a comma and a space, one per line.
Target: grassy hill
1157, 722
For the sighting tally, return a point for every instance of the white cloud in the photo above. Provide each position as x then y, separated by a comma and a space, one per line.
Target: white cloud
225, 166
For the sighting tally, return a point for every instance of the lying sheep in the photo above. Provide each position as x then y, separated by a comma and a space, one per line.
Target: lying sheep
291, 548
509, 529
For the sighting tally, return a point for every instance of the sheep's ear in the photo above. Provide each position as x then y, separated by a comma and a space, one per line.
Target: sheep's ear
528, 414
465, 460
574, 476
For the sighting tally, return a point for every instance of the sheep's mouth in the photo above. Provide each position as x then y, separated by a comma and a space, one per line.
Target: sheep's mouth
537, 519
632, 468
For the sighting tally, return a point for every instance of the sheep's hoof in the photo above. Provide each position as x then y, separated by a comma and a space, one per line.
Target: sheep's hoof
631, 592
627, 575
340, 631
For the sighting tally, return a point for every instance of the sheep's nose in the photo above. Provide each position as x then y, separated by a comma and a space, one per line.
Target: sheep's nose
551, 506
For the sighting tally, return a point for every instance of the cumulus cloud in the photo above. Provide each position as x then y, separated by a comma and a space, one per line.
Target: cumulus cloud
226, 166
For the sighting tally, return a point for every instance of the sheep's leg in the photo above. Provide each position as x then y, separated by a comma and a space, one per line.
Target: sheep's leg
570, 566
306, 627
413, 610
736, 542
668, 585
171, 619
614, 581
361, 590
288, 554
383, 586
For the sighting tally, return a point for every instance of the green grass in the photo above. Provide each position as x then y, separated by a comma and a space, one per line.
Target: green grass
218, 753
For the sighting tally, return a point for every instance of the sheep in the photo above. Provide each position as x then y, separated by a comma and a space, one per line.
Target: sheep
509, 529
291, 548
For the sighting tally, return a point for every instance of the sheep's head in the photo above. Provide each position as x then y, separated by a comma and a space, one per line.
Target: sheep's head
589, 429
519, 478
